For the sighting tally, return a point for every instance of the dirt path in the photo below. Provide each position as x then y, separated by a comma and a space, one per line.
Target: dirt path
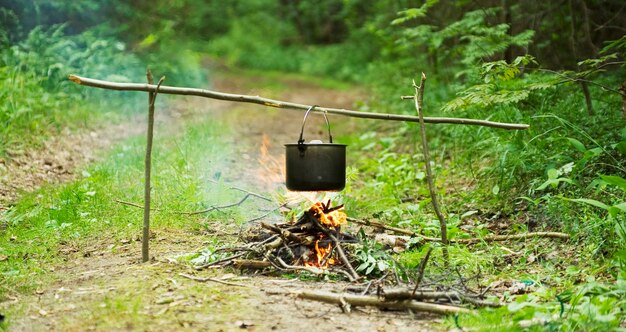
104, 289
58, 161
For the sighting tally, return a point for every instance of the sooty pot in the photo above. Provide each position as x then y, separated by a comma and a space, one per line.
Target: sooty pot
315, 166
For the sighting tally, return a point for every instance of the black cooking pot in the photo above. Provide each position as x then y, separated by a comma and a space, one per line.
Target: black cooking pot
315, 166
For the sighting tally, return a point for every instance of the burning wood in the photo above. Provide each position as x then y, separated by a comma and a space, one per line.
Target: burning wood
311, 243
327, 216
310, 235
323, 256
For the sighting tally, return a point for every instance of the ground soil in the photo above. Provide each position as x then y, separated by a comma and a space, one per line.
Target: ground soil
58, 160
104, 287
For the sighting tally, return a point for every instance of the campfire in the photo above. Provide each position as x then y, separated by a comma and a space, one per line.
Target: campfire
313, 241
322, 215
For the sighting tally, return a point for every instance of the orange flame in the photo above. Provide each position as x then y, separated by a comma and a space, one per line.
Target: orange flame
335, 218
272, 169
321, 255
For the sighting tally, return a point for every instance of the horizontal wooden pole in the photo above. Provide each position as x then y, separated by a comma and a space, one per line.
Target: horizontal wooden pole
284, 104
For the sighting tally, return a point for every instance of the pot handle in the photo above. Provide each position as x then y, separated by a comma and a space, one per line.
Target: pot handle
301, 140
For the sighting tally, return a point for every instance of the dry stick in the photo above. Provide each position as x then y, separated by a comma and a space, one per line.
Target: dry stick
286, 266
251, 264
211, 279
212, 208
383, 226
405, 294
285, 234
132, 204
283, 104
368, 300
492, 238
265, 214
219, 261
353, 275
244, 190
496, 238
419, 102
421, 269
145, 241
622, 91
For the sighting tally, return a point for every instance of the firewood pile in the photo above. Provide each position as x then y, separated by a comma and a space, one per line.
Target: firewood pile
316, 244
313, 243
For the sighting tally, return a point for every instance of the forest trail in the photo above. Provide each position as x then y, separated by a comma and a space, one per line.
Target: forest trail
104, 287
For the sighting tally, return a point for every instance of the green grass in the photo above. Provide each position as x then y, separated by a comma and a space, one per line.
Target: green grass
38, 101
83, 211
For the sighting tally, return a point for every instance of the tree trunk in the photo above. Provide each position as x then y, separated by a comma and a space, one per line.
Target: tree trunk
506, 19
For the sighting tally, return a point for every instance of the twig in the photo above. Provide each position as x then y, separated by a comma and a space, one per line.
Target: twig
205, 279
310, 269
380, 225
580, 79
283, 104
265, 214
244, 190
524, 236
285, 234
369, 300
145, 241
132, 204
219, 261
421, 270
492, 238
405, 294
419, 107
213, 208
251, 264
353, 275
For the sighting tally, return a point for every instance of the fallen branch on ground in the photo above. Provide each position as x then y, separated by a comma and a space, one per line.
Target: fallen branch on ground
251, 264
205, 279
373, 301
400, 294
223, 260
491, 238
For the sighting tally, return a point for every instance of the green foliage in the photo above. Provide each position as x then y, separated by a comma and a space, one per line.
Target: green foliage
38, 99
501, 86
565, 173
592, 306
413, 13
372, 259
474, 38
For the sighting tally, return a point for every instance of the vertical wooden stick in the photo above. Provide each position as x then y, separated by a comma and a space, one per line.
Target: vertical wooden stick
145, 241
419, 101
421, 270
